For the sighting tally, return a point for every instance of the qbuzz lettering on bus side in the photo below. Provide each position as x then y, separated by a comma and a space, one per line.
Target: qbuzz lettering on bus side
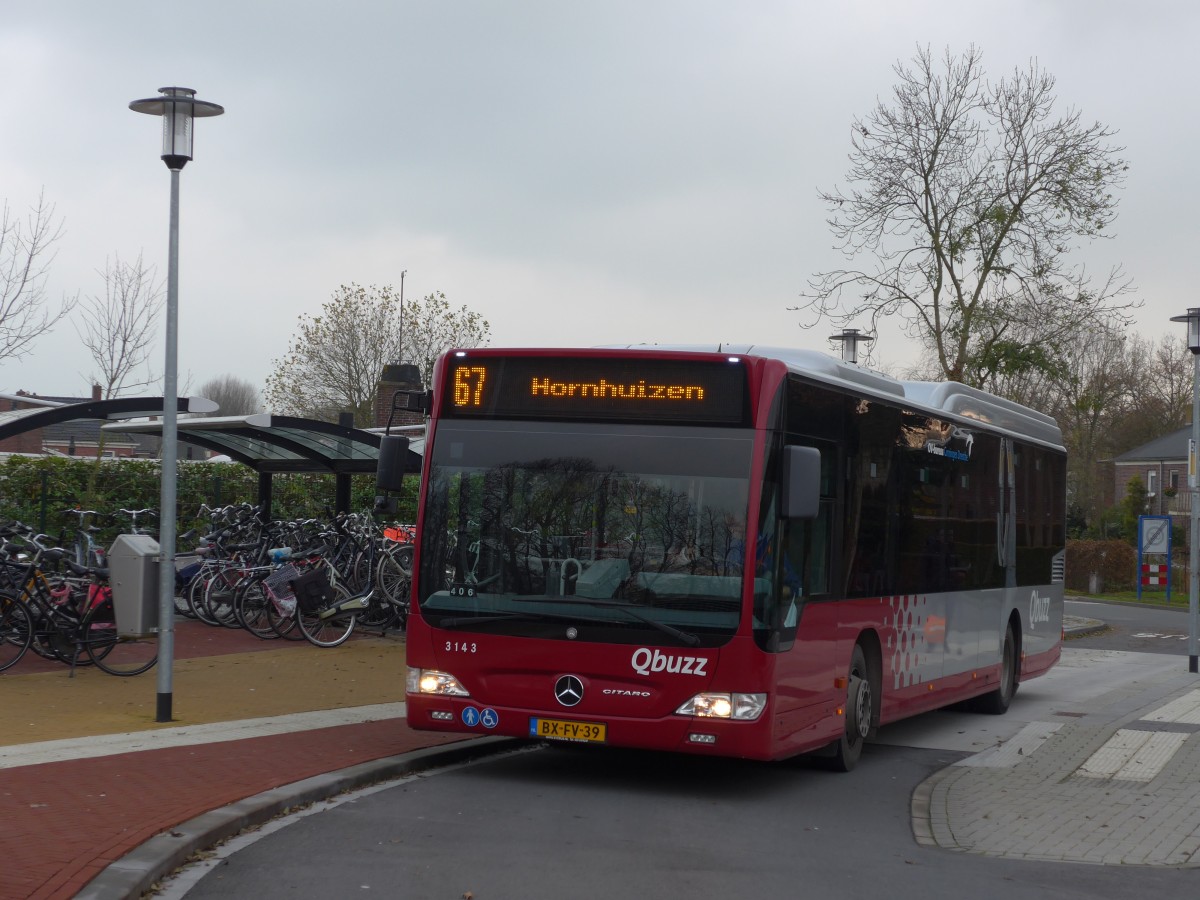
645, 661
1039, 609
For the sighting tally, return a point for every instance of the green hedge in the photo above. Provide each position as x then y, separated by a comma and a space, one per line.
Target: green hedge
1114, 561
39, 490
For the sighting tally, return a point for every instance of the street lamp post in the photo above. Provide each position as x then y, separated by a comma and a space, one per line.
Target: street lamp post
403, 272
1193, 339
178, 106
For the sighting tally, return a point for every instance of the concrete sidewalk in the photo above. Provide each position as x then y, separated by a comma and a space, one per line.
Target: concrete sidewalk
1111, 781
87, 776
1114, 781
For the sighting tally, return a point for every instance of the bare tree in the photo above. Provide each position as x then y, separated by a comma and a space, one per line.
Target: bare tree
234, 396
1163, 388
968, 196
26, 251
1159, 395
1092, 398
118, 329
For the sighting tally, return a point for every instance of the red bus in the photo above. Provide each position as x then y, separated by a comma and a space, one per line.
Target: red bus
738, 551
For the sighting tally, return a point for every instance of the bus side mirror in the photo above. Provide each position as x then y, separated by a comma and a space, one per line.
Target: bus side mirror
393, 454
801, 482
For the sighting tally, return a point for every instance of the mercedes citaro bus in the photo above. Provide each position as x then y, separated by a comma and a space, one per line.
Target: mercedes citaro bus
740, 551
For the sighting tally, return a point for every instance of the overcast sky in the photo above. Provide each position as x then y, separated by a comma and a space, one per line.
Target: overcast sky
578, 173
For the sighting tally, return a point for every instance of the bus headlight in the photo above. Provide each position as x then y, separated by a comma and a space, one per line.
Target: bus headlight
431, 681
741, 707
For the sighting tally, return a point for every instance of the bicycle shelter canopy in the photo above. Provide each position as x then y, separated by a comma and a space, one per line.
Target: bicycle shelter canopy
271, 444
19, 421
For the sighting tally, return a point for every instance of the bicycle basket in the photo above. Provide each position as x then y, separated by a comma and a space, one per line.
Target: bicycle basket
312, 590
279, 583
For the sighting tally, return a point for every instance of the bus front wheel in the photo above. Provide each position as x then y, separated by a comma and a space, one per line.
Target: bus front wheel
859, 700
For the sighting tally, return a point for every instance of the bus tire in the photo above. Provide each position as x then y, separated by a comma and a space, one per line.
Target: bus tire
996, 702
847, 749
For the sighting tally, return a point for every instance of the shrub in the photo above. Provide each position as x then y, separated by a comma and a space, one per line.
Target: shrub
1114, 561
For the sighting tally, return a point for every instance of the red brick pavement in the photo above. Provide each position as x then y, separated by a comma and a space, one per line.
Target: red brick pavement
62, 823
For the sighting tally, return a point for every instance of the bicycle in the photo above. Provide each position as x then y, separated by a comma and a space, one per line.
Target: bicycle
16, 631
87, 551
393, 578
72, 620
326, 613
265, 604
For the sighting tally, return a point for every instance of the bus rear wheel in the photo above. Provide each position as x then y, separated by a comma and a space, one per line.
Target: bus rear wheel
859, 701
996, 703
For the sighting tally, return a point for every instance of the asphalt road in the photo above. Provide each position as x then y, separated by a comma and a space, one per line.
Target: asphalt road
553, 822
1142, 629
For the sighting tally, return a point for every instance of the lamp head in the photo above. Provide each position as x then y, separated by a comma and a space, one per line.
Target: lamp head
177, 106
1193, 328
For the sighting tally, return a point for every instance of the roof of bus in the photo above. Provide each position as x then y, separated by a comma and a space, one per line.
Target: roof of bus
947, 397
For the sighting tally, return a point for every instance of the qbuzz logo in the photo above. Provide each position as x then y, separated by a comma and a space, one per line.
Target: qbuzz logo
645, 661
1039, 609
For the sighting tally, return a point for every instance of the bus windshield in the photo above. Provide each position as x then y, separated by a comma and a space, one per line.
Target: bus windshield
600, 533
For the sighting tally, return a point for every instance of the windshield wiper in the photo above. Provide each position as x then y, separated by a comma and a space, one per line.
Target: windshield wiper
687, 637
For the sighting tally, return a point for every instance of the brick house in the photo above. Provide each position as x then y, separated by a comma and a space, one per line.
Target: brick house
80, 437
1162, 466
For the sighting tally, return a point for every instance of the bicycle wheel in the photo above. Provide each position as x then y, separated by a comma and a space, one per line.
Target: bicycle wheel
329, 631
380, 613
250, 604
111, 652
183, 605
56, 635
283, 622
196, 598
357, 571
15, 631
394, 581
218, 597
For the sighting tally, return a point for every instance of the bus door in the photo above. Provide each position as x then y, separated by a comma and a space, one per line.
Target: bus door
1006, 517
804, 636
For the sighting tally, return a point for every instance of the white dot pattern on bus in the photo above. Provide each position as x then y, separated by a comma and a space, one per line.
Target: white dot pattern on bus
909, 644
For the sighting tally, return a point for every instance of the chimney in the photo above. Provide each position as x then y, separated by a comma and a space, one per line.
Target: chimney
97, 393
397, 377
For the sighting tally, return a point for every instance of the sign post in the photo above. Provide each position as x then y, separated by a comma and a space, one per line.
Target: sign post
1154, 539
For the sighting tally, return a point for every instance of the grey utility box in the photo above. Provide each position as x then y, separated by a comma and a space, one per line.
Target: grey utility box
133, 564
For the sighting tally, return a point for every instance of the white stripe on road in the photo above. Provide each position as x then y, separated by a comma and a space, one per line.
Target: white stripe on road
133, 742
1133, 755
1185, 710
1015, 749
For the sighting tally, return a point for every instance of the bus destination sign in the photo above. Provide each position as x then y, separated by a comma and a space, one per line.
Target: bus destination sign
662, 390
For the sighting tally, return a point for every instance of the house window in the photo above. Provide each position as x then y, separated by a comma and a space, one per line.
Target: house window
1175, 479
1152, 482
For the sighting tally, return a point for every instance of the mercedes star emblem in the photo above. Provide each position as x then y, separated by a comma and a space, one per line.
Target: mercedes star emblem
568, 690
